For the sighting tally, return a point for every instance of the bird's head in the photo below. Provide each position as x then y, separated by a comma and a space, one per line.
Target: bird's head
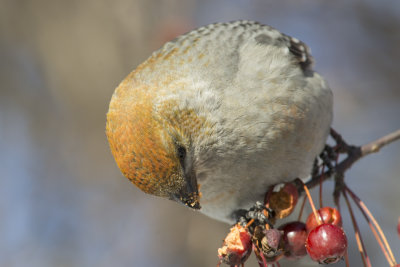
152, 144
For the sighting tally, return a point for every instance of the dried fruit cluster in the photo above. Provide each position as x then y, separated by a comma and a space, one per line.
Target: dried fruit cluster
321, 236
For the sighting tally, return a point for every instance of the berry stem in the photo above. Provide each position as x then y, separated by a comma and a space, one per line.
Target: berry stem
312, 205
377, 237
360, 243
321, 180
346, 258
370, 218
249, 223
302, 208
261, 256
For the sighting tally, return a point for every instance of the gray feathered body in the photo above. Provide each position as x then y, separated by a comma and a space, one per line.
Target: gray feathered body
267, 112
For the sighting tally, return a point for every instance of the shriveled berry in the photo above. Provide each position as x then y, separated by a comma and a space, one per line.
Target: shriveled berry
271, 243
284, 201
273, 238
326, 243
294, 238
268, 245
236, 247
327, 215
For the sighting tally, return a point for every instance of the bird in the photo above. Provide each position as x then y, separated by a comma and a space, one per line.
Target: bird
219, 114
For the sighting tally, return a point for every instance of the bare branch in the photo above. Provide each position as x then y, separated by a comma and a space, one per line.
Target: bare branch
376, 145
354, 153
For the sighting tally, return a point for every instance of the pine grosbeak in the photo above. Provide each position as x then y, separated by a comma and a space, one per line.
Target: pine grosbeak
217, 115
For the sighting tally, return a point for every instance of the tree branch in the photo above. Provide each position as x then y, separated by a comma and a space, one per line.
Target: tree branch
354, 153
376, 145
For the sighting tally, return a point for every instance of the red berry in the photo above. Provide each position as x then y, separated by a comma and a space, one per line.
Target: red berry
326, 243
294, 238
327, 215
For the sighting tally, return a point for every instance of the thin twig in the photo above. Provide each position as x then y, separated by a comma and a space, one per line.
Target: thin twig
357, 233
376, 235
366, 211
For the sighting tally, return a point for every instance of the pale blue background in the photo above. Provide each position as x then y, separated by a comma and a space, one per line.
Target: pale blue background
63, 202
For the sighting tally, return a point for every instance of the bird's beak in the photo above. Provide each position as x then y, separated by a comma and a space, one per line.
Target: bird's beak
189, 193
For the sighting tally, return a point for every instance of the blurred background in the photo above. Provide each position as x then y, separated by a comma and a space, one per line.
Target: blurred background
63, 201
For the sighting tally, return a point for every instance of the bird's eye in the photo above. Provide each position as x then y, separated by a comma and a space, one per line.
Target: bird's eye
181, 151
